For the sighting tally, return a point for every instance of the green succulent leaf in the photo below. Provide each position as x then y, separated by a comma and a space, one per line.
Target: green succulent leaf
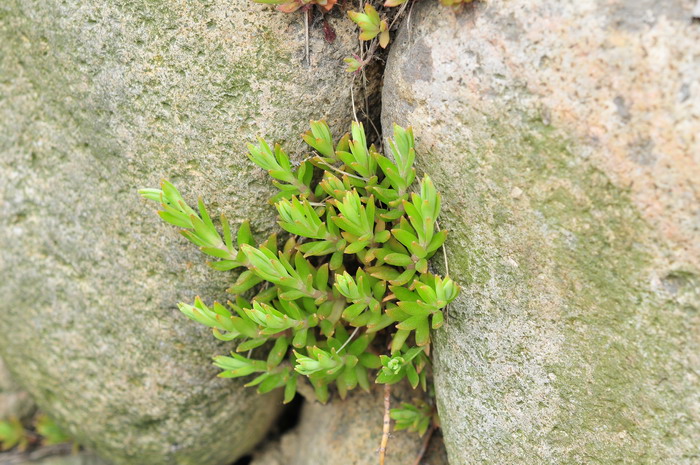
354, 64
369, 22
276, 162
356, 219
237, 366
320, 139
300, 218
200, 230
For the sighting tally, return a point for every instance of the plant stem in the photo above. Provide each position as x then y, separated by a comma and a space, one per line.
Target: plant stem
370, 53
349, 339
346, 173
352, 95
387, 423
444, 251
398, 15
447, 270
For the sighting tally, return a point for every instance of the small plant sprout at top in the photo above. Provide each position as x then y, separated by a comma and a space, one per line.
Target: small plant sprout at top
375, 20
347, 298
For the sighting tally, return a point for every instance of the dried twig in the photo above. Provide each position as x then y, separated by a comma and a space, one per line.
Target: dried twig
349, 339
408, 21
307, 18
398, 15
387, 423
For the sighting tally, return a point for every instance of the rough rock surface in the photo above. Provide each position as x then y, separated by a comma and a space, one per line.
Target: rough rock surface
14, 401
349, 432
565, 138
99, 98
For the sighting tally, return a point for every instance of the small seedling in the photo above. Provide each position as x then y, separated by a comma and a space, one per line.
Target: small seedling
375, 22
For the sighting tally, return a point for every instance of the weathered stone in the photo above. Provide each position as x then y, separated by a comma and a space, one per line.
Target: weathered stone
15, 402
349, 432
100, 98
565, 138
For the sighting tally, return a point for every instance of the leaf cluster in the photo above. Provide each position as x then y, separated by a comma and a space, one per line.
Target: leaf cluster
371, 25
347, 298
413, 417
45, 431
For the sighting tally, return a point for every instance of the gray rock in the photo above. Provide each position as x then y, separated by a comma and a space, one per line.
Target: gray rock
349, 432
14, 401
100, 98
564, 139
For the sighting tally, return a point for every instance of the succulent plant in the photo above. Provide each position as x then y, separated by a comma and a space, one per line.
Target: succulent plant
348, 298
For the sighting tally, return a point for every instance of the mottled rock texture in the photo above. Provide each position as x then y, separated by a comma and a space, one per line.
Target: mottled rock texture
14, 401
565, 138
97, 99
349, 432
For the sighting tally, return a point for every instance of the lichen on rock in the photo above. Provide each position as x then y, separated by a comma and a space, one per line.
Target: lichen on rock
565, 144
100, 98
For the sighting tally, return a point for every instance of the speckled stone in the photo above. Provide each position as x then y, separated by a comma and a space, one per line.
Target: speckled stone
97, 99
565, 138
